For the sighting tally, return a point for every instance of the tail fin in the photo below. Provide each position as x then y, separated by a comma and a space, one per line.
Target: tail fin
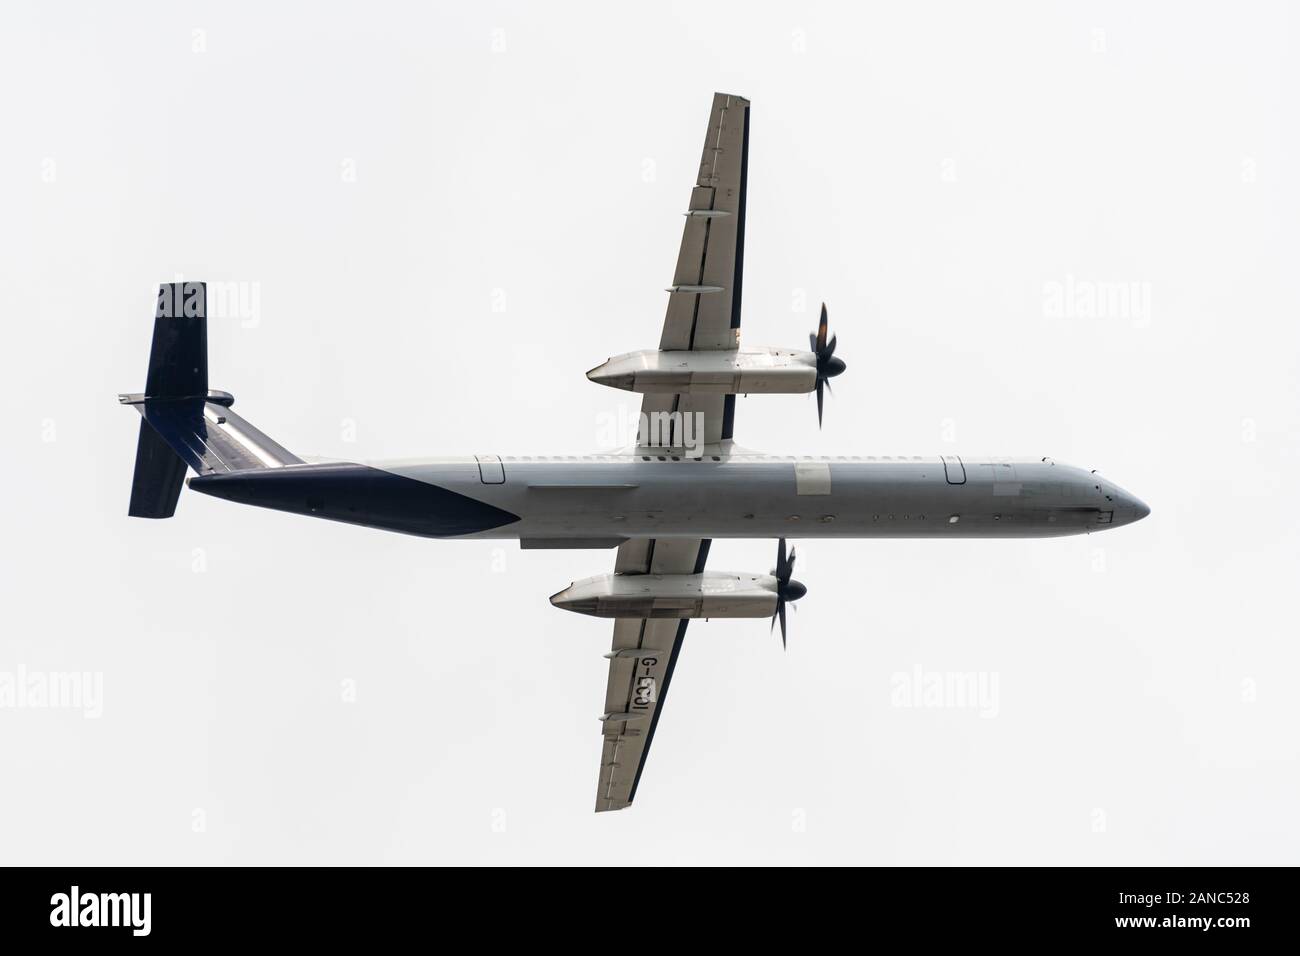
159, 472
178, 359
185, 423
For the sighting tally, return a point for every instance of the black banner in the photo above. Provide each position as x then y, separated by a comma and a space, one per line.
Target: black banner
1163, 906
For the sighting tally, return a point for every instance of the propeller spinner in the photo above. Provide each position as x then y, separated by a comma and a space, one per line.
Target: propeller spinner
828, 366
786, 589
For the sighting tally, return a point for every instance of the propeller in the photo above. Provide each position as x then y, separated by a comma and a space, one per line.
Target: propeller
828, 366
786, 588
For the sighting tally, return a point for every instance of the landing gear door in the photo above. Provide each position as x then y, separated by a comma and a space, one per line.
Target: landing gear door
490, 469
954, 470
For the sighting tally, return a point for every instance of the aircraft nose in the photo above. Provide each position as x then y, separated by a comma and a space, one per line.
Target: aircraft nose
1131, 508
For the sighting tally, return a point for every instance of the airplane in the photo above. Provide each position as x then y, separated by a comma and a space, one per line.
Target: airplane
659, 504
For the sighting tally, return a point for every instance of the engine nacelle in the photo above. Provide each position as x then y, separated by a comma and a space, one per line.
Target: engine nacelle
711, 594
752, 371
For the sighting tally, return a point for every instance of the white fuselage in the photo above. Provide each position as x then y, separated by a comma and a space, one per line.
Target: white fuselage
744, 495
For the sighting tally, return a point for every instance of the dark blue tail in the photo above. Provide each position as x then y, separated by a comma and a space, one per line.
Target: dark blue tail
178, 360
183, 422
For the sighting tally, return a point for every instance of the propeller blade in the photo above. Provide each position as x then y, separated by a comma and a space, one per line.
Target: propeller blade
830, 348
821, 399
821, 331
786, 589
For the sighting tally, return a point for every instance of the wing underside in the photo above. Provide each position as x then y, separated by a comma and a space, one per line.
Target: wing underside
703, 314
641, 664
704, 300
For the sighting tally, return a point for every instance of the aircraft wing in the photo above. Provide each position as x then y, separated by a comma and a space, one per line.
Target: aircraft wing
704, 299
703, 313
641, 666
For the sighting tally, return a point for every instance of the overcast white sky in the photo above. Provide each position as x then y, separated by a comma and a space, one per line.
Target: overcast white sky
442, 215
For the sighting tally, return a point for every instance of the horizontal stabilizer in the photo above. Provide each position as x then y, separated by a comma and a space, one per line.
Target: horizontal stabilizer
211, 438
